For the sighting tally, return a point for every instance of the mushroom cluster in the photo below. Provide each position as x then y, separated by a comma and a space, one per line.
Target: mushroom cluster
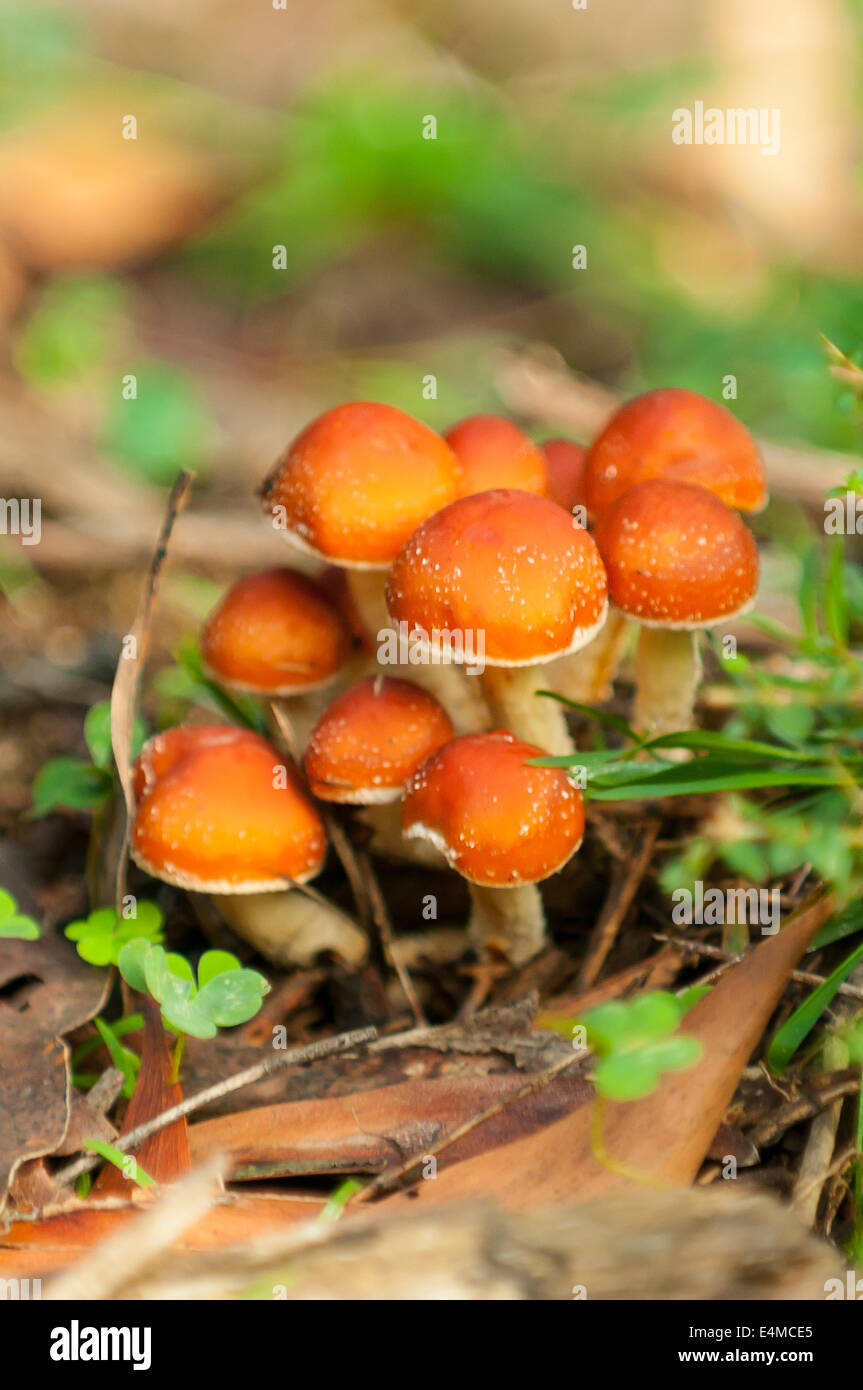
469, 565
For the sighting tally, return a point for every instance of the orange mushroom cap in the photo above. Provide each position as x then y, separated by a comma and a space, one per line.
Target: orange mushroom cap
219, 812
498, 821
275, 632
508, 564
372, 738
566, 464
494, 452
358, 480
676, 556
683, 437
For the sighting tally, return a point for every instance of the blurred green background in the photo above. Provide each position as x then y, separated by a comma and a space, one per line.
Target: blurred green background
306, 128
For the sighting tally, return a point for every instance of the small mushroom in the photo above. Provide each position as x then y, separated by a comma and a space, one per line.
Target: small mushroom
682, 437
277, 634
566, 464
678, 559
350, 490
494, 452
219, 812
367, 744
673, 434
504, 826
519, 583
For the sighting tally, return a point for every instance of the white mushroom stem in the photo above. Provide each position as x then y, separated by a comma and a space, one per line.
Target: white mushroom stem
297, 716
587, 676
459, 693
511, 695
667, 671
291, 928
385, 822
506, 922
369, 593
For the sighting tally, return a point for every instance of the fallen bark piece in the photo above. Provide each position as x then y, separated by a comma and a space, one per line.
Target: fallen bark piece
713, 1245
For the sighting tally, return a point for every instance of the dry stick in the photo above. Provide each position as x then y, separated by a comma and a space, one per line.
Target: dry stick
848, 1155
612, 987
295, 1056
616, 905
820, 1144
771, 1129
389, 1180
803, 977
127, 681
381, 919
818, 1150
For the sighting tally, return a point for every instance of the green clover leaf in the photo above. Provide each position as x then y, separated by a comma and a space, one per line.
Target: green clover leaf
187, 1017
101, 936
636, 1042
131, 962
69, 784
233, 997
224, 994
97, 733
14, 923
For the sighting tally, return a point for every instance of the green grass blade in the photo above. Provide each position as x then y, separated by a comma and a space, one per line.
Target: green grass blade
788, 1038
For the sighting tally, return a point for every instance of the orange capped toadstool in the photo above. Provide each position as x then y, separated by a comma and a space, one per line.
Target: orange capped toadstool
678, 559
367, 744
219, 812
504, 826
682, 437
278, 635
494, 452
566, 464
351, 489
356, 482
506, 581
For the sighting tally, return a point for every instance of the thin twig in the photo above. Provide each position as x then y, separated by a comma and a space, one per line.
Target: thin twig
392, 1178
381, 919
130, 670
295, 1056
771, 1129
701, 948
621, 893
848, 1155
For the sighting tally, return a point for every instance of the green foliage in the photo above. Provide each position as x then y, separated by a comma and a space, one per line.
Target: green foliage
38, 47
224, 994
339, 1199
72, 783
71, 331
496, 197
14, 923
101, 936
795, 1029
123, 1057
128, 1166
165, 427
188, 682
635, 1041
